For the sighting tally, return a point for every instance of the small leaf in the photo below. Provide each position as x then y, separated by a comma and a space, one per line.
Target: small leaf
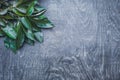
26, 22
20, 35
19, 2
23, 2
34, 26
3, 12
22, 9
10, 32
17, 12
39, 36
30, 9
30, 35
39, 8
39, 13
8, 16
44, 23
2, 23
1, 33
42, 17
30, 42
10, 43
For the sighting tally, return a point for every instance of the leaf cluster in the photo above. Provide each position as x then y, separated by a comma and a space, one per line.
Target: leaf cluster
21, 22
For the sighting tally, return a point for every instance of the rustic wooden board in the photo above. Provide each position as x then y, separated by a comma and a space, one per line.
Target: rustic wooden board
84, 45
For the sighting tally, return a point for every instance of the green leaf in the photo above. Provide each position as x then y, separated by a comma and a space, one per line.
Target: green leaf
30, 42
1, 33
35, 28
25, 21
39, 36
17, 12
10, 32
39, 8
19, 2
20, 35
22, 9
3, 12
7, 16
39, 13
44, 23
10, 43
42, 17
2, 23
23, 2
30, 9
30, 35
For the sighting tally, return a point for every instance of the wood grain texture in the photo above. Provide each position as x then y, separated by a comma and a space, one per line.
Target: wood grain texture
84, 45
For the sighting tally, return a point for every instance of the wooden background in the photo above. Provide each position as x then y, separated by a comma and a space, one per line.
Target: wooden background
84, 45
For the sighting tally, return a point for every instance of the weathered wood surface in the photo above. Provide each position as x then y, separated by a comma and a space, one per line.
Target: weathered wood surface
84, 45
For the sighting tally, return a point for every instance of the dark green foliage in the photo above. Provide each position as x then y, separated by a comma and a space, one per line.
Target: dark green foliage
21, 21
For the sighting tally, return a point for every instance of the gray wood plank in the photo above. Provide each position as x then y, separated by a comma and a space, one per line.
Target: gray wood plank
84, 45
